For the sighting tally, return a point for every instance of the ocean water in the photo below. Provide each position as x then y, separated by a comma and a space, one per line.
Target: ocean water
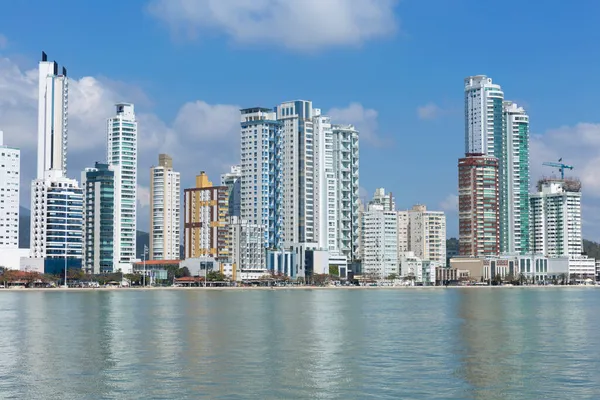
473, 343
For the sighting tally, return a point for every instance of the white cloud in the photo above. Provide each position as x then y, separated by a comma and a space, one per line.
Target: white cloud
305, 25
429, 111
201, 137
363, 119
3, 42
450, 203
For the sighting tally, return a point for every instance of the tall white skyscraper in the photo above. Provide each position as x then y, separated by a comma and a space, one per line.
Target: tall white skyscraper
345, 166
262, 173
165, 223
326, 185
514, 183
122, 153
10, 166
298, 151
56, 201
483, 116
556, 218
53, 101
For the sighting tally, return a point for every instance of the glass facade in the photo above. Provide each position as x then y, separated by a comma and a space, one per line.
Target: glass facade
99, 214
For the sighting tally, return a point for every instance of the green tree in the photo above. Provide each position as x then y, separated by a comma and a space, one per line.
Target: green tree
216, 276
334, 270
182, 272
392, 277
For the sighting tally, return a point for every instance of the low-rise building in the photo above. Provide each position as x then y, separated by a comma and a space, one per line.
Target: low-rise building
411, 267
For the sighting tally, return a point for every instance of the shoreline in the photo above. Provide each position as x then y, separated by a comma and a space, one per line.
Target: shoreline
234, 288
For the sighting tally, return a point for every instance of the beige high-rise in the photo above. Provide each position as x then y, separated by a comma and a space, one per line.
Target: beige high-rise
165, 223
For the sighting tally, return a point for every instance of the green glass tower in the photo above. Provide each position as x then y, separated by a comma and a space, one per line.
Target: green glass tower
514, 180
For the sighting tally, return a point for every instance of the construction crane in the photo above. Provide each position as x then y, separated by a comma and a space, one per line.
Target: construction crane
560, 166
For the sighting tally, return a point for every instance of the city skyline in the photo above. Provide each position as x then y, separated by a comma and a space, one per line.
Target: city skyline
389, 129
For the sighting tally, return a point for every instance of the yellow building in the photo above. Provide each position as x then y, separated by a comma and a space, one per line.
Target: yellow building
205, 220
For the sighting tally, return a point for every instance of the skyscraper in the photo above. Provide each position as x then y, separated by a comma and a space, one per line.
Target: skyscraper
56, 201
233, 181
556, 218
262, 173
300, 178
206, 231
10, 169
296, 118
53, 101
514, 180
478, 206
326, 185
122, 153
345, 166
99, 204
165, 224
483, 116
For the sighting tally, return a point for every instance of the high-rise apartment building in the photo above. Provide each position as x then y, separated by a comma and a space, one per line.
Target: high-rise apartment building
423, 232
10, 170
345, 167
478, 204
300, 178
514, 181
122, 153
53, 102
556, 218
206, 231
247, 249
483, 116
379, 242
233, 181
99, 204
56, 218
298, 153
262, 173
326, 188
165, 225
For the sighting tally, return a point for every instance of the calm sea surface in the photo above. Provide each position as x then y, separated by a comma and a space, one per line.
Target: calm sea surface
481, 343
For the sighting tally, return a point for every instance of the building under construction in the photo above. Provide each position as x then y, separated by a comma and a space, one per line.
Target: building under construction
555, 212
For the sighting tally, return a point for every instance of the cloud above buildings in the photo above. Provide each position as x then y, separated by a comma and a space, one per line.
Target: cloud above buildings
307, 25
450, 204
429, 111
365, 120
201, 137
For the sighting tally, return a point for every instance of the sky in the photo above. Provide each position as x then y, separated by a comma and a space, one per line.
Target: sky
393, 68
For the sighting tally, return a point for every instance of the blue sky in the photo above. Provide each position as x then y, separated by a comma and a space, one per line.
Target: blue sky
394, 68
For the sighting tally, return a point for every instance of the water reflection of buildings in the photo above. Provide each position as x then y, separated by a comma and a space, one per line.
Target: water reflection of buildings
490, 340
